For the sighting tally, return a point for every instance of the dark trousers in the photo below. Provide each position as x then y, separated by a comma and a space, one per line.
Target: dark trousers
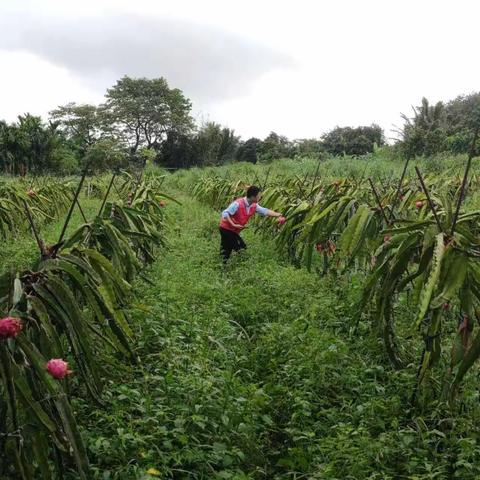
230, 241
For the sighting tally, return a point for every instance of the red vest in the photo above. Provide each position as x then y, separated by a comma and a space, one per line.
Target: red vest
241, 215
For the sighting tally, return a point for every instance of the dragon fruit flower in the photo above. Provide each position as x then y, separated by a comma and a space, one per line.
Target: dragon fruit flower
58, 368
10, 327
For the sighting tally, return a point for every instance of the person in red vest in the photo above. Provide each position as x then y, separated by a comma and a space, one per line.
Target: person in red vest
235, 218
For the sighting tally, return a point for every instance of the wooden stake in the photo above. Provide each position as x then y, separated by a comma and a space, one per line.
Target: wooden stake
72, 206
81, 211
40, 244
399, 188
106, 195
315, 178
430, 203
464, 181
379, 203
266, 177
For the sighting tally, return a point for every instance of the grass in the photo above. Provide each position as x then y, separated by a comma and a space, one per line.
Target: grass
251, 372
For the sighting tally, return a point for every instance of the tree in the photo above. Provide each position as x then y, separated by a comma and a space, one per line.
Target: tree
81, 123
426, 132
228, 146
216, 145
7, 147
353, 141
247, 152
208, 140
106, 154
31, 145
274, 147
309, 147
462, 117
143, 111
177, 151
462, 112
441, 127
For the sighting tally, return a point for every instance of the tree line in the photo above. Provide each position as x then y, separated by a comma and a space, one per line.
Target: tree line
443, 127
145, 120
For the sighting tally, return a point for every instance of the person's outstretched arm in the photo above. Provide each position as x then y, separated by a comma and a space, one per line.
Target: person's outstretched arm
266, 212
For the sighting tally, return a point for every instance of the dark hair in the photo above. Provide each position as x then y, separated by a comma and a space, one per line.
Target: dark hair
253, 191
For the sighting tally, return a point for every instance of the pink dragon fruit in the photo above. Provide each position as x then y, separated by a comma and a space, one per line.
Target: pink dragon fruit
281, 220
10, 327
58, 368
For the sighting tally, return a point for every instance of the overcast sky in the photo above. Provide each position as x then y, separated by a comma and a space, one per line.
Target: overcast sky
298, 67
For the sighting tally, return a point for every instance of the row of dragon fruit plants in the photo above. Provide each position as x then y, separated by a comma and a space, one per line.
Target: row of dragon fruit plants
65, 312
412, 244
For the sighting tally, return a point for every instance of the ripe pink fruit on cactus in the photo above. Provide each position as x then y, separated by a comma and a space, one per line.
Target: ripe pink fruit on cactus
419, 204
281, 220
163, 203
387, 238
10, 327
58, 368
319, 247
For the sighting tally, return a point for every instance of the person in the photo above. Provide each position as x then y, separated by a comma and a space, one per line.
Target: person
234, 219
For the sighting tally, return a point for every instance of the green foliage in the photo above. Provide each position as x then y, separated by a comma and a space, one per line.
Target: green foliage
105, 154
31, 146
177, 151
394, 242
148, 156
212, 144
425, 133
141, 111
263, 381
72, 306
309, 147
353, 141
215, 145
248, 151
275, 146
441, 127
81, 123
45, 199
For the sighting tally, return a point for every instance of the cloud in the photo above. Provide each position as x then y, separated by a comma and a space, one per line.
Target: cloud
206, 62
31, 84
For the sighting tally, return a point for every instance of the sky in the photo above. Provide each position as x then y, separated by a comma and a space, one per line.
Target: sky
298, 68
